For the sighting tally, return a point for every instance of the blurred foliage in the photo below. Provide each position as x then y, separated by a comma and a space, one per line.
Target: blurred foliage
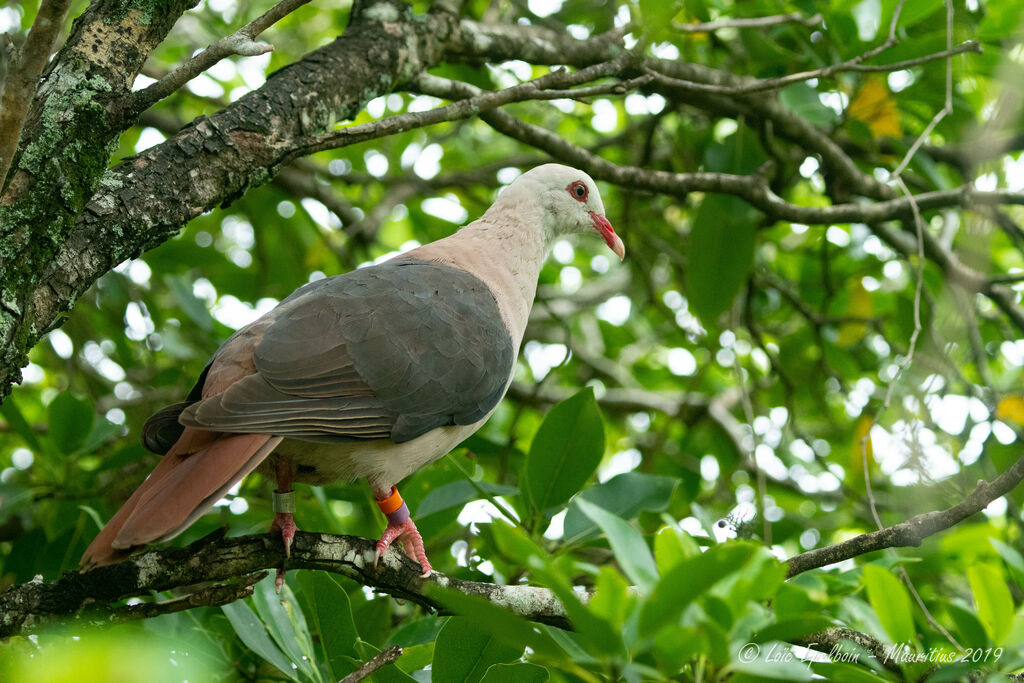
737, 371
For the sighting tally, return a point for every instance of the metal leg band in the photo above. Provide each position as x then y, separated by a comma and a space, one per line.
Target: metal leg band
283, 502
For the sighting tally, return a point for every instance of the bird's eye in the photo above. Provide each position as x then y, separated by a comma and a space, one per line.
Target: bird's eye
578, 190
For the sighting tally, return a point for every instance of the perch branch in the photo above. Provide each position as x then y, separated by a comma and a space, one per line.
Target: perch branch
232, 564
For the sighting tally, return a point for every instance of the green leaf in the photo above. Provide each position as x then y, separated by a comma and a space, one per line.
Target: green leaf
16, 420
195, 308
1012, 558
995, 604
457, 494
721, 254
252, 632
770, 662
331, 614
672, 546
521, 672
611, 600
624, 495
848, 673
499, 622
689, 579
566, 450
464, 652
286, 624
629, 546
70, 422
789, 629
803, 101
891, 603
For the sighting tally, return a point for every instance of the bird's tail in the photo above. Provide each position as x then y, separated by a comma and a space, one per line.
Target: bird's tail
194, 474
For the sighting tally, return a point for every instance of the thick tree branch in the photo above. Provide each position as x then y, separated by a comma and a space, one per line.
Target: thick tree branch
914, 530
146, 199
66, 142
233, 564
20, 85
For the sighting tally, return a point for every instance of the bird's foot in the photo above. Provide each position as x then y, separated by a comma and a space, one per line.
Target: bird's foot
285, 523
284, 506
409, 536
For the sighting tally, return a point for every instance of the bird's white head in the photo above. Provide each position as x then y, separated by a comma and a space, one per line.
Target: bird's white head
569, 200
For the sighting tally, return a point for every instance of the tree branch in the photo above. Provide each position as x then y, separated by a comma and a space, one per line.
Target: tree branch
234, 564
241, 42
21, 81
750, 22
914, 530
388, 656
749, 86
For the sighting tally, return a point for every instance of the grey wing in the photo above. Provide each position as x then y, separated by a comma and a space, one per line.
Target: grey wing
390, 351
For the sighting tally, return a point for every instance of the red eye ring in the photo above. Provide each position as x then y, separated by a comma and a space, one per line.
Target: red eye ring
578, 190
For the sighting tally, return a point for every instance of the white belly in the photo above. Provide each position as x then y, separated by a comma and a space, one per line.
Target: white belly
381, 461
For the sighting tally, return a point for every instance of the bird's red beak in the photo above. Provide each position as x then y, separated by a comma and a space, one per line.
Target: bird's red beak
606, 230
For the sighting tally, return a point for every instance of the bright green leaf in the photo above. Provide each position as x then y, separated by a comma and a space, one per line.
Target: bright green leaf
565, 451
993, 599
629, 546
689, 579
891, 603
70, 422
464, 652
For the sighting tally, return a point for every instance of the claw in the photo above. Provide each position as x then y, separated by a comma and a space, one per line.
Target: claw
411, 542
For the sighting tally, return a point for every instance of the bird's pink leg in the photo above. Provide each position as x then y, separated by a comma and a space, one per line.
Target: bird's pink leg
284, 506
400, 526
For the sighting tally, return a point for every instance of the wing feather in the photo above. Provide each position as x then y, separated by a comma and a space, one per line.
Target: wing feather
390, 351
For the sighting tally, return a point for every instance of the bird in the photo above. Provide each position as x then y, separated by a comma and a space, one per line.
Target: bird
374, 373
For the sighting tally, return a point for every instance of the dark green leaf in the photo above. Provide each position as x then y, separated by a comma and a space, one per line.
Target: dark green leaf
521, 672
565, 451
721, 254
497, 621
331, 615
464, 652
70, 422
457, 494
624, 496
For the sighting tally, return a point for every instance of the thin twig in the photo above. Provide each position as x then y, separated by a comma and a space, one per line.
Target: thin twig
947, 107
752, 22
23, 77
853, 65
379, 661
241, 42
463, 108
